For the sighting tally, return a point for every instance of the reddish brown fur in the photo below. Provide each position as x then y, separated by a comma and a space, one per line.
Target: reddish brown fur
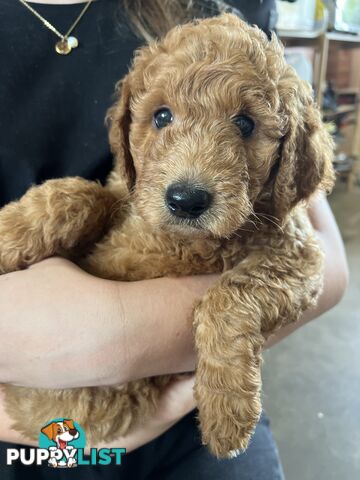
256, 232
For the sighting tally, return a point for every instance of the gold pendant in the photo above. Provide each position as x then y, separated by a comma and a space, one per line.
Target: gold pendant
65, 45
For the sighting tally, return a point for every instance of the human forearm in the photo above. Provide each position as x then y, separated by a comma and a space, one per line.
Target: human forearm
160, 340
54, 315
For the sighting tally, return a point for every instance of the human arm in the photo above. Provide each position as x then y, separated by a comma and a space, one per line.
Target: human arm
116, 331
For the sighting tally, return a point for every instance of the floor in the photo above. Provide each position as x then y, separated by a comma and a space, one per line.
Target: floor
312, 379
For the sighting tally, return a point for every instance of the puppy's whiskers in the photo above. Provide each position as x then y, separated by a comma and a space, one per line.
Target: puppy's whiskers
253, 223
241, 229
270, 218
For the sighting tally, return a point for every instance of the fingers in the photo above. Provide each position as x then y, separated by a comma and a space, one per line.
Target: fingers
177, 399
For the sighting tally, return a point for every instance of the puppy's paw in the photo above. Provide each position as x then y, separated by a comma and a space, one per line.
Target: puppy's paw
71, 462
226, 422
224, 447
52, 463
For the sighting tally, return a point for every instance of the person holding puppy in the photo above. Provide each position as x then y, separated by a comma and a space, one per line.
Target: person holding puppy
67, 138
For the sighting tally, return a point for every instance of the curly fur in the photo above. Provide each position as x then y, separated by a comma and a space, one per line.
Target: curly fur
256, 232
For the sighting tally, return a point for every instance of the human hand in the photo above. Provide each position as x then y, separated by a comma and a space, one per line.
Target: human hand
176, 401
54, 317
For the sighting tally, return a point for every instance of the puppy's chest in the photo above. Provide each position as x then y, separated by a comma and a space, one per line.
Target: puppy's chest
135, 252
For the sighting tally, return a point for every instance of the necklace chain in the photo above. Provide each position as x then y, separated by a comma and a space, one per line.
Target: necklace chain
51, 27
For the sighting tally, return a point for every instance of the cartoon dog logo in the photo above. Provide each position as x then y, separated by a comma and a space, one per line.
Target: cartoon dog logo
62, 433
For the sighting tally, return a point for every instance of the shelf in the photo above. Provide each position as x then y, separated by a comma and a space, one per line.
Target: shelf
343, 37
346, 114
301, 34
318, 30
341, 109
316, 34
347, 91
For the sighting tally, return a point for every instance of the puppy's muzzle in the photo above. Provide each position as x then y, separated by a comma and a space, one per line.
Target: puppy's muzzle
187, 201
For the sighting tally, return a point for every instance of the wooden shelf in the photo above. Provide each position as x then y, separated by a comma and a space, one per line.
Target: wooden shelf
343, 37
316, 34
301, 34
347, 91
341, 109
320, 40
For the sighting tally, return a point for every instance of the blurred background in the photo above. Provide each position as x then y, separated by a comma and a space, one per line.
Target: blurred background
312, 378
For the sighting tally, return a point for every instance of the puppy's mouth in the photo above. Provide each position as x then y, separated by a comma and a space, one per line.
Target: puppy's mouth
62, 444
187, 224
206, 225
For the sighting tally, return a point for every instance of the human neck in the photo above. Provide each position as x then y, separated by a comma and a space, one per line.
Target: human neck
57, 2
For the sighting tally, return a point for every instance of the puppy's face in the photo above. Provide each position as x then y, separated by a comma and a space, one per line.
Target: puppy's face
202, 146
202, 124
64, 431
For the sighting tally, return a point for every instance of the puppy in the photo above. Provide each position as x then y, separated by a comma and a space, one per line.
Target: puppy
218, 146
61, 433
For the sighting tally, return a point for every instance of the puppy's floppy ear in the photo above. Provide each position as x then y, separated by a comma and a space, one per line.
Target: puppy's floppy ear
70, 424
305, 158
119, 121
49, 431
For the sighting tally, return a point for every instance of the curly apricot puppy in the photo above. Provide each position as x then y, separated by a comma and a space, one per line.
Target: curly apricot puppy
218, 145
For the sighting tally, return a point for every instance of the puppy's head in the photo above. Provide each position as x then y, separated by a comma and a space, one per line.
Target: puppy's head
64, 430
210, 124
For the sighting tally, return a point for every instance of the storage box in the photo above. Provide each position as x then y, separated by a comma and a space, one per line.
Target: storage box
299, 15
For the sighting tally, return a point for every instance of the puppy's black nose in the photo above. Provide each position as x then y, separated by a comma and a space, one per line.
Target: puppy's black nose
73, 432
187, 201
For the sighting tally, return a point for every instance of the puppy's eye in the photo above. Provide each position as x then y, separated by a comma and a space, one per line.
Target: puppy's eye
163, 117
245, 124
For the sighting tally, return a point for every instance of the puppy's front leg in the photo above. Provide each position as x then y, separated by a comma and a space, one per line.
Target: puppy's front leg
251, 301
57, 217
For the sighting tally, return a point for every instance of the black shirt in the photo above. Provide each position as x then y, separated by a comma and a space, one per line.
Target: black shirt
52, 107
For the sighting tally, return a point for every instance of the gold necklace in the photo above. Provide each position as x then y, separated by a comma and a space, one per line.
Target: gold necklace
66, 42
